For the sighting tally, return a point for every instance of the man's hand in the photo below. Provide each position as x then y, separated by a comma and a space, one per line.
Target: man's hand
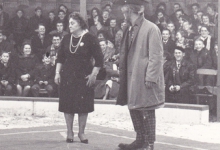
171, 88
150, 84
177, 87
45, 82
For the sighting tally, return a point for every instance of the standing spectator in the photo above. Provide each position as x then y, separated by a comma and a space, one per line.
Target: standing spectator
4, 19
141, 74
40, 42
105, 18
76, 75
61, 18
35, 21
168, 43
7, 75
94, 12
171, 27
18, 27
44, 77
51, 22
25, 70
158, 15
59, 30
180, 78
112, 29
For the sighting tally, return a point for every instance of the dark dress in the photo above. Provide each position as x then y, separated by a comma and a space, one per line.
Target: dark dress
74, 95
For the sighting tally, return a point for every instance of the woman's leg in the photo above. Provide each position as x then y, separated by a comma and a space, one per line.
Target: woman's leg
26, 90
82, 125
106, 92
19, 90
69, 124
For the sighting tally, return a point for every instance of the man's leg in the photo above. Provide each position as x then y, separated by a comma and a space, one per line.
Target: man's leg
149, 123
137, 120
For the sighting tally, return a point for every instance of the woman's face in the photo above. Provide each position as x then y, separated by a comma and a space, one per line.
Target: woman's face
38, 12
74, 25
27, 49
103, 45
186, 25
199, 45
204, 32
5, 57
178, 36
96, 20
205, 20
94, 13
19, 13
105, 15
181, 21
61, 15
51, 15
170, 26
159, 15
210, 11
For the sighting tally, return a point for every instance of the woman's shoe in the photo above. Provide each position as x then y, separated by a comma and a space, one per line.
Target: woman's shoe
85, 141
69, 140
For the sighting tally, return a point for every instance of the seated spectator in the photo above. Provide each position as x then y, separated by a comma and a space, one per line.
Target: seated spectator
171, 27
25, 70
211, 25
51, 22
206, 38
62, 18
18, 28
54, 48
168, 44
59, 30
107, 51
188, 27
7, 75
35, 21
124, 25
213, 13
105, 18
199, 17
158, 14
44, 77
97, 26
180, 78
94, 12
195, 7
173, 17
201, 59
112, 29
103, 34
40, 42
179, 13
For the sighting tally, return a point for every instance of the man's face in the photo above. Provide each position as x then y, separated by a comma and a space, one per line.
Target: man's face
176, 7
61, 15
199, 45
56, 41
178, 54
51, 16
199, 15
204, 32
46, 60
170, 26
205, 20
105, 15
126, 13
19, 13
38, 12
165, 35
103, 45
59, 27
41, 29
178, 14
186, 25
195, 9
5, 57
113, 23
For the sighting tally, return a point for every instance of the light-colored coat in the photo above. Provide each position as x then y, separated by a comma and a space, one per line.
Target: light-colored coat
140, 62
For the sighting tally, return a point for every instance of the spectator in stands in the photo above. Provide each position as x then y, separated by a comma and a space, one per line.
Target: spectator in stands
178, 14
5, 45
105, 18
176, 6
35, 21
180, 77
181, 41
25, 70
98, 26
44, 77
51, 22
212, 11
191, 33
18, 28
211, 25
157, 16
195, 7
171, 27
168, 43
94, 12
40, 42
4, 19
112, 29
61, 18
7, 75
103, 34
118, 39
54, 48
59, 30
201, 59
108, 52
199, 17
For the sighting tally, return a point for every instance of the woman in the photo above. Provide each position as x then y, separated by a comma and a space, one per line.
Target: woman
206, 22
25, 70
76, 75
97, 26
94, 12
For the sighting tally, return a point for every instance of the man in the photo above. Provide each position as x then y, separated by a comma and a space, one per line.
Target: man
141, 74
59, 30
180, 77
194, 18
112, 29
168, 44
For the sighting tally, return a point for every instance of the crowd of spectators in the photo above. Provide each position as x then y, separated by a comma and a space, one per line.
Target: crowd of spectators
29, 49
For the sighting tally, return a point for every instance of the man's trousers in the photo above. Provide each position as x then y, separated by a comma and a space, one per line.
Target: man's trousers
144, 123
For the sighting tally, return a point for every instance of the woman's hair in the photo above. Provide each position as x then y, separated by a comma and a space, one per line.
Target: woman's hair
160, 11
97, 10
182, 32
204, 26
161, 4
65, 7
76, 16
104, 33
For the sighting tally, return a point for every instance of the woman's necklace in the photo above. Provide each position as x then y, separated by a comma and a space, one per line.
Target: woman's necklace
77, 45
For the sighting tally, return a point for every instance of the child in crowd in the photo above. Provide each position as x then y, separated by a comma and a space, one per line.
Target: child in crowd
44, 77
7, 75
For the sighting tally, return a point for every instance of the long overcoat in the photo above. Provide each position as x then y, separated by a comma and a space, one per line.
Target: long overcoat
142, 61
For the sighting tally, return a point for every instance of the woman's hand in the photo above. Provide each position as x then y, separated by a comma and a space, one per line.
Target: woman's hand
57, 78
91, 80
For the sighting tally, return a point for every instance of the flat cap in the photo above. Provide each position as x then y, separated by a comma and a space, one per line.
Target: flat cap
134, 2
180, 48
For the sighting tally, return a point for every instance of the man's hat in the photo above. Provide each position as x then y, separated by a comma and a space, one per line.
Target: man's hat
179, 48
134, 2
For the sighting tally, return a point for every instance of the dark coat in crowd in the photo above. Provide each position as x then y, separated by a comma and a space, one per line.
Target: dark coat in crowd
4, 20
33, 24
184, 77
45, 73
26, 65
39, 48
7, 73
169, 46
112, 32
50, 25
